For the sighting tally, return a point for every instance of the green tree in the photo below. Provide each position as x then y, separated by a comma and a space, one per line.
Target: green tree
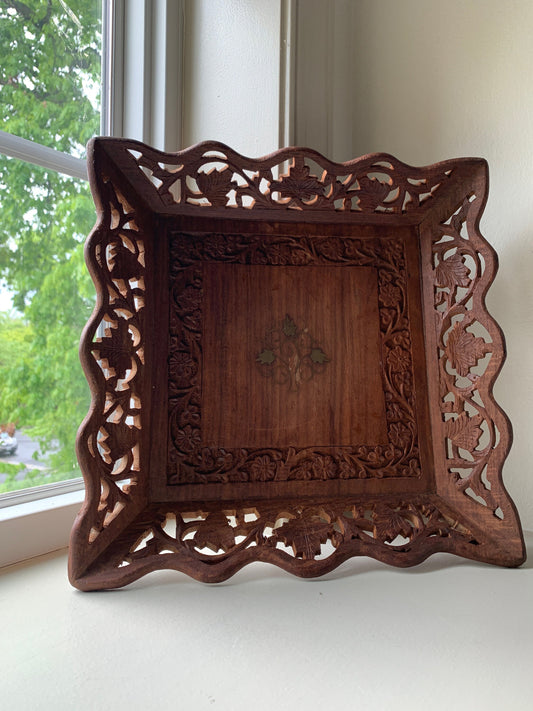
49, 93
15, 339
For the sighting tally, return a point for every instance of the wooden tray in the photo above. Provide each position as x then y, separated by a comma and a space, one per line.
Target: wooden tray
290, 361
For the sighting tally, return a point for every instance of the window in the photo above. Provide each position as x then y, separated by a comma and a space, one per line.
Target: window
50, 107
141, 98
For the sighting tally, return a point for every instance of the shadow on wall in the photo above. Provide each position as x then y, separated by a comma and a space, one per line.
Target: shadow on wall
510, 303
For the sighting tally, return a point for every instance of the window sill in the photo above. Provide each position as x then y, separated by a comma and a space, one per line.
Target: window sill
37, 527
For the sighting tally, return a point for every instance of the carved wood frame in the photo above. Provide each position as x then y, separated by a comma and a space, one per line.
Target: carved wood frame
436, 486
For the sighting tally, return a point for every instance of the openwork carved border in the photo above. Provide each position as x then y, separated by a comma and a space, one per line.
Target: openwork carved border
212, 175
112, 352
470, 352
307, 540
120, 534
190, 461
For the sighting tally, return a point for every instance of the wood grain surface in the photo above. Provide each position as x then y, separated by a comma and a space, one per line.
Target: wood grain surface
294, 353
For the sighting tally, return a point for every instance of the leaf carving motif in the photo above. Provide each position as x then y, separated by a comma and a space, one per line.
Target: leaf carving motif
289, 327
215, 533
116, 348
120, 438
465, 373
298, 184
388, 524
465, 431
452, 272
377, 185
123, 263
305, 536
372, 192
464, 349
215, 185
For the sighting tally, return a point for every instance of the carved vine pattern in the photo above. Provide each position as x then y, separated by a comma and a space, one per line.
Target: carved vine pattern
111, 436
189, 461
215, 176
213, 543
467, 341
305, 529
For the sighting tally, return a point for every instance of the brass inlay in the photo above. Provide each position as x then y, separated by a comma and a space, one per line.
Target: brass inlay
290, 355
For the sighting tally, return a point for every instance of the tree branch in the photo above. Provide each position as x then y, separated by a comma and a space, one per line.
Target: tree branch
20, 7
46, 18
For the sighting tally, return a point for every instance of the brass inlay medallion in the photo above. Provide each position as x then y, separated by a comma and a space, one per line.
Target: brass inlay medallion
290, 355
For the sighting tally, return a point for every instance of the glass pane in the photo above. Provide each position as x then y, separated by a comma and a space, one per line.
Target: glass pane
50, 71
46, 296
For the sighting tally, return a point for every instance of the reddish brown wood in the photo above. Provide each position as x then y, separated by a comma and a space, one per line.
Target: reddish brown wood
290, 361
268, 337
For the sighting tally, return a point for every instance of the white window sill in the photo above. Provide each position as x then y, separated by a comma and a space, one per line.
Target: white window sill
448, 634
37, 527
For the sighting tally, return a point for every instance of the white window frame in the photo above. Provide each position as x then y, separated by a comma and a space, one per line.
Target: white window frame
141, 98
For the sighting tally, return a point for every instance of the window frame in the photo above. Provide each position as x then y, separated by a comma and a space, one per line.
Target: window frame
141, 98
60, 162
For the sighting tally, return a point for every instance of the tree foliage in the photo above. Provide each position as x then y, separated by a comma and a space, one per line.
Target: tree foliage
49, 85
15, 340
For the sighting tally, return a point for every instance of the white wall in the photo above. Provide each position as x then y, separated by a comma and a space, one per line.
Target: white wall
428, 80
232, 73
322, 89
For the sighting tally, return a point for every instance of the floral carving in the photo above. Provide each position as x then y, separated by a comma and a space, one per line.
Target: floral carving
389, 295
324, 467
398, 359
263, 468
400, 434
187, 439
290, 355
182, 368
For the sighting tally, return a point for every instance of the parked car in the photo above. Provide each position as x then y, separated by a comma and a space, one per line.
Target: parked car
8, 444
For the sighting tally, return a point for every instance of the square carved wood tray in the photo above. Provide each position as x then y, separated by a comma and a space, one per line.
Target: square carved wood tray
290, 361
